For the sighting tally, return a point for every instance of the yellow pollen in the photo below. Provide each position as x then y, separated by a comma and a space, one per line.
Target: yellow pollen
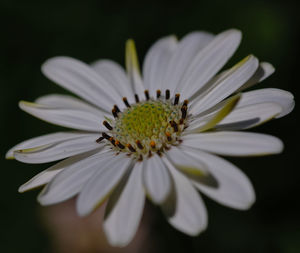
146, 121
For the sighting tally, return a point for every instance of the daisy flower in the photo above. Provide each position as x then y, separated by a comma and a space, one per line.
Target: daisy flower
156, 135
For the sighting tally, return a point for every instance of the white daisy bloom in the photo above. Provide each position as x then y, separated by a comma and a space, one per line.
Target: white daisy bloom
161, 135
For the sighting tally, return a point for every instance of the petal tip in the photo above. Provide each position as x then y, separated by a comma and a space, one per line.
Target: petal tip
280, 146
247, 206
9, 155
25, 104
21, 189
268, 66
236, 32
84, 210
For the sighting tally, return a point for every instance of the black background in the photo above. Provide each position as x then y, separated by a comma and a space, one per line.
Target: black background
32, 31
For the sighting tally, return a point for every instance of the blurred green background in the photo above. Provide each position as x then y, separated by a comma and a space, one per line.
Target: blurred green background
32, 31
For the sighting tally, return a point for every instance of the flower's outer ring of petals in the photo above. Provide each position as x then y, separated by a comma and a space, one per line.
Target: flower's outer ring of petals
69, 102
73, 118
234, 188
157, 180
115, 75
82, 80
234, 143
272, 95
58, 149
133, 68
70, 181
125, 208
184, 208
225, 84
208, 62
249, 116
264, 70
156, 62
42, 141
101, 185
187, 49
47, 175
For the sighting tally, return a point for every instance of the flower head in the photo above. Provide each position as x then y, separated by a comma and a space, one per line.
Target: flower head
157, 135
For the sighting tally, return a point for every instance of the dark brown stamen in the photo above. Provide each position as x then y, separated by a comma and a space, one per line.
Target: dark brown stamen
105, 136
185, 102
183, 111
176, 99
107, 125
136, 98
126, 102
174, 125
120, 145
167, 94
99, 139
181, 121
130, 148
117, 108
139, 144
169, 138
159, 153
158, 92
147, 94
113, 142
140, 158
114, 112
149, 154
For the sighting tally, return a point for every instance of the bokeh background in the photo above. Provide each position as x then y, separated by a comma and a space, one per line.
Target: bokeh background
32, 31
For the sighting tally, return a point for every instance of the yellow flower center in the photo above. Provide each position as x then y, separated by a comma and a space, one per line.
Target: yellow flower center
147, 126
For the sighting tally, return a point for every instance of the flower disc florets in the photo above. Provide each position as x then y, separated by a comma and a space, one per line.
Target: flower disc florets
147, 126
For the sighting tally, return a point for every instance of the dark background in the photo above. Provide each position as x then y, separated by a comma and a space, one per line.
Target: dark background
32, 31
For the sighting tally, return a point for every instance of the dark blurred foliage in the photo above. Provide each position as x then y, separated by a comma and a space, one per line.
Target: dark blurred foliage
32, 31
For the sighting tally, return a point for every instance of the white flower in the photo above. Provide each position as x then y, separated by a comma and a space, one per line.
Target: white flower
160, 136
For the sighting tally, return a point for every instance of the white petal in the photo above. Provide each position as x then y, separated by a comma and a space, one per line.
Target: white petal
133, 69
284, 98
157, 180
69, 102
184, 208
183, 163
72, 118
201, 124
208, 62
225, 84
47, 175
234, 143
41, 141
103, 182
40, 179
81, 79
249, 116
191, 167
156, 63
234, 188
115, 75
58, 149
124, 209
71, 180
264, 70
187, 49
